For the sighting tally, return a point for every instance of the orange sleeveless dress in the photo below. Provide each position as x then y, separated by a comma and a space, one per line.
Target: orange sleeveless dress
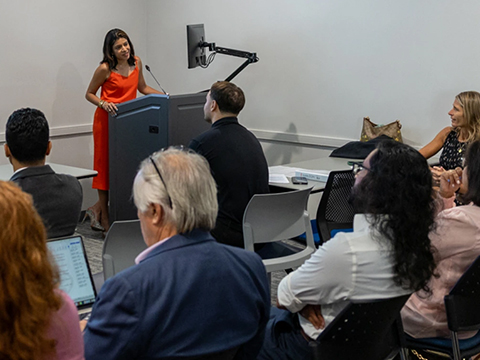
116, 89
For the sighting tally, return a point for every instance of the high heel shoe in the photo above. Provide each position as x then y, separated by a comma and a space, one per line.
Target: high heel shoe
94, 223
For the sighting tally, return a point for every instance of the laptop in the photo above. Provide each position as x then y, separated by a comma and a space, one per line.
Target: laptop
75, 276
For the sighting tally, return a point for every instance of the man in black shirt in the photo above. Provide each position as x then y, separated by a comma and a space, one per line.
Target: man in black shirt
236, 160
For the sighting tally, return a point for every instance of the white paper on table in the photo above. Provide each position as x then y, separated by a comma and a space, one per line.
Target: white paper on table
278, 178
282, 170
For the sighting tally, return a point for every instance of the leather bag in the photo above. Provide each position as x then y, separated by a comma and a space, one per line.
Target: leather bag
371, 130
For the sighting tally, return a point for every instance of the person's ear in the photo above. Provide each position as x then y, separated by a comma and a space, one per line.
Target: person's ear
157, 214
49, 148
7, 150
213, 106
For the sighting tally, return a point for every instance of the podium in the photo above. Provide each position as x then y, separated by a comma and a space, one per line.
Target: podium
142, 126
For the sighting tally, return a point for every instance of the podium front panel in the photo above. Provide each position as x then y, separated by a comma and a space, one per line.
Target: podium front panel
139, 129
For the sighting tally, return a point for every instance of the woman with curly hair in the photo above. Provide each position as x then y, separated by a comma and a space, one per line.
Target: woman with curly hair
457, 240
388, 254
37, 320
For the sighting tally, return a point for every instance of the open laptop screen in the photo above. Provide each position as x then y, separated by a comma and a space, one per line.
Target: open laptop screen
75, 276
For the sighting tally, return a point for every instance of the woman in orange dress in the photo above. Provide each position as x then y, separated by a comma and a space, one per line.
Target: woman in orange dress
119, 75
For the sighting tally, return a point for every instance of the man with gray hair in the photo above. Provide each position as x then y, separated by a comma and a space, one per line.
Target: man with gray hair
188, 295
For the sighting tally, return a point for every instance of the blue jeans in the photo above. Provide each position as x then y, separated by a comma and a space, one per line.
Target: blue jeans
283, 339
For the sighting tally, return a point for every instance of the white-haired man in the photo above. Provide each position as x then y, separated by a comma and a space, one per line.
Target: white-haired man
188, 295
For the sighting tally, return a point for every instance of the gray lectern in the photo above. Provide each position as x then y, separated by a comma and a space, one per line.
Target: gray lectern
141, 127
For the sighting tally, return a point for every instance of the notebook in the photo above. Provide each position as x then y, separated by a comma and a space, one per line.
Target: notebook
75, 275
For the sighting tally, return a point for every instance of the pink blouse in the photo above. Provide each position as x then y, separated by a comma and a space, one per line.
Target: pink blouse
457, 240
65, 329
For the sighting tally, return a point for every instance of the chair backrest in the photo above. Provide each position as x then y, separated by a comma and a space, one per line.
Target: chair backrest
363, 330
124, 241
461, 304
274, 217
334, 210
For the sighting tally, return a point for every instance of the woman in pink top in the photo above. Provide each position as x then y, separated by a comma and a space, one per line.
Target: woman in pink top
457, 240
37, 320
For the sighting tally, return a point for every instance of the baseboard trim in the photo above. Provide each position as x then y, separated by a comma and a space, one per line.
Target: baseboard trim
266, 135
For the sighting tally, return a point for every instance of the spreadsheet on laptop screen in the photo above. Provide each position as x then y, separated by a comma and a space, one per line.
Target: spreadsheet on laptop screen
75, 277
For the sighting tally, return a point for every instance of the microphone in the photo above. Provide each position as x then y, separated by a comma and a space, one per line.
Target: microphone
154, 78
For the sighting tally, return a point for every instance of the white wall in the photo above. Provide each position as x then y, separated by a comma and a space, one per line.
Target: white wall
323, 64
326, 64
50, 50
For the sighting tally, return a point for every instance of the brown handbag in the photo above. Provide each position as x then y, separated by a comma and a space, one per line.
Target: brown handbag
371, 130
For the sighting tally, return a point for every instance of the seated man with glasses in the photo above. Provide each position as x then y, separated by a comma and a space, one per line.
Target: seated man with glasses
373, 262
187, 295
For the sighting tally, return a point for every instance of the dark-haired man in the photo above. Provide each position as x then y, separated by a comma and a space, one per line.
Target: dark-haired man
57, 197
235, 157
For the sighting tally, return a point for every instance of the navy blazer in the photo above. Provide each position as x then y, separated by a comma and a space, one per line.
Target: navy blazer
57, 198
190, 296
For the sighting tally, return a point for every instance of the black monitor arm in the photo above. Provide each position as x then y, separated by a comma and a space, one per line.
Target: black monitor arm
251, 57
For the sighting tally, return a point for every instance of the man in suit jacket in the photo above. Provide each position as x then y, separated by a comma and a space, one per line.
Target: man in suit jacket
57, 197
188, 295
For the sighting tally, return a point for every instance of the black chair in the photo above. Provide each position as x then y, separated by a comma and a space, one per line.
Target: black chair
462, 307
363, 330
334, 211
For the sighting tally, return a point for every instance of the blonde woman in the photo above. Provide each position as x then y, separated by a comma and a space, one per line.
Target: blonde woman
465, 128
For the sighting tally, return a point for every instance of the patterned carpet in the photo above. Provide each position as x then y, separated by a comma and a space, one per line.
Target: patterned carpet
93, 241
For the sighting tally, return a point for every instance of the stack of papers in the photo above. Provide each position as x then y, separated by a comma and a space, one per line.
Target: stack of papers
280, 174
315, 175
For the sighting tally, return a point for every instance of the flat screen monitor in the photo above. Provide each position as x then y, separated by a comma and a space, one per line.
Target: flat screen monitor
195, 52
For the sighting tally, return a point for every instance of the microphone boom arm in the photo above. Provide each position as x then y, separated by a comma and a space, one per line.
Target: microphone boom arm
251, 57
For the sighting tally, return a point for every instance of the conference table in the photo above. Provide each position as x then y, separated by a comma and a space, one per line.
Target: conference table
325, 164
6, 171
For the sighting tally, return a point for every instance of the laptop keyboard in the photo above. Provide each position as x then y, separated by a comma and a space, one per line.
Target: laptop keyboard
85, 316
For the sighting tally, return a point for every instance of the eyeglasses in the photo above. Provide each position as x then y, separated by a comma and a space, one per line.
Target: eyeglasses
357, 167
175, 147
163, 181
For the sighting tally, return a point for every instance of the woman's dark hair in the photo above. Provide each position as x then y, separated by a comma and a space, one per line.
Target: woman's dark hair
108, 55
397, 193
472, 160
